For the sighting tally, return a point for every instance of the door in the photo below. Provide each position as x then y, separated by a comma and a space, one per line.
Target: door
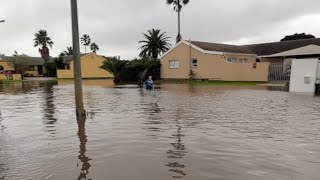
40, 70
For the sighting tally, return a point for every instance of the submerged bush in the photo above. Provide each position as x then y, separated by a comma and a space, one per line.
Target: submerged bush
136, 70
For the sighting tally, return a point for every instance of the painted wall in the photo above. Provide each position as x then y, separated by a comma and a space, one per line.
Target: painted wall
10, 77
90, 68
302, 68
6, 65
213, 67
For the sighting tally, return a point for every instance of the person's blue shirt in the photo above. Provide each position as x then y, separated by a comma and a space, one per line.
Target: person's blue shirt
148, 84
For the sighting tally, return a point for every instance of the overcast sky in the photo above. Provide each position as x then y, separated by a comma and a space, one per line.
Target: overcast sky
117, 25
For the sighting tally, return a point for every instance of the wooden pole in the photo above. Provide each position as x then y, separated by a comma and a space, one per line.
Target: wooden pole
76, 56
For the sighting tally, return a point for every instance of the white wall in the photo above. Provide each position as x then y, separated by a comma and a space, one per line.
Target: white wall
300, 69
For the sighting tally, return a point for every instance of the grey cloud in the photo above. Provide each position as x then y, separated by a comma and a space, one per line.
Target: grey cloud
117, 25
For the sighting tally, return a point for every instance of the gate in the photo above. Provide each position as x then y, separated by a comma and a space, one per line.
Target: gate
279, 73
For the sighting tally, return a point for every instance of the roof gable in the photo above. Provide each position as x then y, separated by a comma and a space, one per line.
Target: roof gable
226, 48
69, 59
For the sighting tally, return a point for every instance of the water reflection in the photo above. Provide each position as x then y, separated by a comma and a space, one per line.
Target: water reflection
49, 107
85, 161
178, 150
152, 110
3, 160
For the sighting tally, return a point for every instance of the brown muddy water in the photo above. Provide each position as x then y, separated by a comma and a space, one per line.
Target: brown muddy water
176, 131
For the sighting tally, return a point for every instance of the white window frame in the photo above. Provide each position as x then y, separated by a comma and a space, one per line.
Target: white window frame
194, 65
175, 65
232, 60
242, 61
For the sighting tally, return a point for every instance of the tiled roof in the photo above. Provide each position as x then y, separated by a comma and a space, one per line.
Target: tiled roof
277, 47
26, 60
221, 47
259, 49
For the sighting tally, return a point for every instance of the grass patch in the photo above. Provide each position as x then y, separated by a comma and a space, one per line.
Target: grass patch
215, 83
4, 82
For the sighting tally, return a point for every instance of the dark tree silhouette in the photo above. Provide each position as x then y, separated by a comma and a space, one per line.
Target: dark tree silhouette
42, 39
86, 41
297, 36
94, 47
68, 52
155, 44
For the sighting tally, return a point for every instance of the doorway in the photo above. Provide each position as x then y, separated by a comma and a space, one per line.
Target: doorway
40, 70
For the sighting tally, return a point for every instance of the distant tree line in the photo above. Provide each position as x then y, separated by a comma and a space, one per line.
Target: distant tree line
298, 36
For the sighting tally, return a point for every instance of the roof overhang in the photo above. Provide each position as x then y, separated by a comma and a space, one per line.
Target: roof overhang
194, 47
310, 50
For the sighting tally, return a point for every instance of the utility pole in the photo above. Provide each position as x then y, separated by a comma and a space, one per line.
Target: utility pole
76, 57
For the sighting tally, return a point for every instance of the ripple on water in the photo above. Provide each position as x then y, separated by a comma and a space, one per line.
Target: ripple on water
177, 131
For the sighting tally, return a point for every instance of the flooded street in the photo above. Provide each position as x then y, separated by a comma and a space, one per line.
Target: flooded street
177, 131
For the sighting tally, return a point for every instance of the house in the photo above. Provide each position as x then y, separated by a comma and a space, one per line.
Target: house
90, 67
8, 65
29, 66
213, 61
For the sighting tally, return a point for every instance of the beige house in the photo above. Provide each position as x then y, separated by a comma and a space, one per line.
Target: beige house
30, 66
90, 67
8, 65
212, 61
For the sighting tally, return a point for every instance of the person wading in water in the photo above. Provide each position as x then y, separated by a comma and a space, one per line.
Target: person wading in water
149, 83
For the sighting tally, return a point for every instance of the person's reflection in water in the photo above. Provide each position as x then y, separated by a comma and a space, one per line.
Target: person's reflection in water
178, 151
85, 165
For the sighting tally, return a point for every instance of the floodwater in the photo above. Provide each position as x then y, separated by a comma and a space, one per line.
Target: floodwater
175, 132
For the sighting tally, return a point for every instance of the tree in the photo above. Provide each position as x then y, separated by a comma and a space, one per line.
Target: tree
115, 66
86, 41
177, 6
297, 36
94, 47
136, 70
155, 44
18, 63
41, 39
68, 52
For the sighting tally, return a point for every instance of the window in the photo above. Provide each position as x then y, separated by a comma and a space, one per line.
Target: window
174, 64
242, 60
31, 68
232, 60
1, 68
194, 63
258, 60
67, 66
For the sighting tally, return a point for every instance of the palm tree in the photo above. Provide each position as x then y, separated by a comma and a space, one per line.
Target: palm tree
94, 47
177, 6
42, 39
115, 66
155, 44
68, 52
85, 40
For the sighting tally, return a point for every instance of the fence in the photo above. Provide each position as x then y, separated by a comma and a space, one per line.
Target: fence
279, 73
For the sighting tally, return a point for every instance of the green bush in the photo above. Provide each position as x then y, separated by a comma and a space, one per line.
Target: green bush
136, 70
